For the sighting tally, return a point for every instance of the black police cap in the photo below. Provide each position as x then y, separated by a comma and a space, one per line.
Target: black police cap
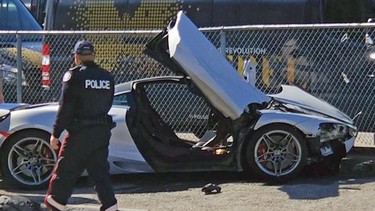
84, 48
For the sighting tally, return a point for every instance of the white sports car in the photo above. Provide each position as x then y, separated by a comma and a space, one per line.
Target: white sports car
237, 127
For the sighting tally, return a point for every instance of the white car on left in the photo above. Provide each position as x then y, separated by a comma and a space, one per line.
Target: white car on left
237, 127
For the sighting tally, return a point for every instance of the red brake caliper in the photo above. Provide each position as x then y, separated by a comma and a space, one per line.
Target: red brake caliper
262, 149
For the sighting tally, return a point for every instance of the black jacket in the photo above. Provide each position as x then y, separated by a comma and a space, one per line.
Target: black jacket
87, 93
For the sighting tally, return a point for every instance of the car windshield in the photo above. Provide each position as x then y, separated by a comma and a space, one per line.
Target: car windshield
15, 16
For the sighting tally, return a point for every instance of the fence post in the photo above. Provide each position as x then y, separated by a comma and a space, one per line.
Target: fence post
223, 42
19, 68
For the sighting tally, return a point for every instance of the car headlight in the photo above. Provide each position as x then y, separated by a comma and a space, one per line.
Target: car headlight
331, 131
9, 75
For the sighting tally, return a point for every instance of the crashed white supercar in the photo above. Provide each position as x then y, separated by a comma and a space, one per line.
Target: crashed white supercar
237, 127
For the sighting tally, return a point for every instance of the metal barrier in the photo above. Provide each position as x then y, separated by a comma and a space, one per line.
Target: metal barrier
331, 61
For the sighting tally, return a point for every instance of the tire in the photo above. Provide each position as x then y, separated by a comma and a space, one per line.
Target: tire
278, 158
28, 160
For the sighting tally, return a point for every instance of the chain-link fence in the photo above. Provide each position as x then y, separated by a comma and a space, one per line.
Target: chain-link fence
332, 61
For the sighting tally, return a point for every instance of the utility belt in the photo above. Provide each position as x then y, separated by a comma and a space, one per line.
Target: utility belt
102, 120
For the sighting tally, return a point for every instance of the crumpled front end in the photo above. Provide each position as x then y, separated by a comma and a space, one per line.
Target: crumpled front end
328, 137
331, 132
339, 132
334, 138
325, 137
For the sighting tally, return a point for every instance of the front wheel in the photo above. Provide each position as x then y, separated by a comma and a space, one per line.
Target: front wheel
28, 160
275, 153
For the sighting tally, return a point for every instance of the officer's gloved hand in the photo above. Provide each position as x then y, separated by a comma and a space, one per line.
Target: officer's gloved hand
112, 125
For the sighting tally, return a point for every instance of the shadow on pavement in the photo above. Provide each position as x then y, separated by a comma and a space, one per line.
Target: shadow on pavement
357, 168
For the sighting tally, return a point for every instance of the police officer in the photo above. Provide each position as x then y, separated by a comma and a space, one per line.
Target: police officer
87, 97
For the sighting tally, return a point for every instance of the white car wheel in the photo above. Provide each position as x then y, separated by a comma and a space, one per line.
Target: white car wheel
28, 160
276, 153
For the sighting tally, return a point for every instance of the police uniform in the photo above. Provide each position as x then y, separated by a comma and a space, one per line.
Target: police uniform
87, 97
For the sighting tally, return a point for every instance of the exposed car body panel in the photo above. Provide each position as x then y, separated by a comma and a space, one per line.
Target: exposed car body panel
42, 118
124, 156
24, 116
210, 71
306, 123
295, 95
37, 117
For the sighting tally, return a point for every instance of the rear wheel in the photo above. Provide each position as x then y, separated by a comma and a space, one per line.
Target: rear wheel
275, 153
28, 160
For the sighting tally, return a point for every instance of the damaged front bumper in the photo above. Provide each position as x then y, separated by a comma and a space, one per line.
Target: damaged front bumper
328, 148
333, 139
341, 133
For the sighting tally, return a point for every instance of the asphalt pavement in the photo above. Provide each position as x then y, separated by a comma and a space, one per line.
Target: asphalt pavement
359, 164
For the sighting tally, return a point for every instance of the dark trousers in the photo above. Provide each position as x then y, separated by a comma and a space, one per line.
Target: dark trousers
86, 148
